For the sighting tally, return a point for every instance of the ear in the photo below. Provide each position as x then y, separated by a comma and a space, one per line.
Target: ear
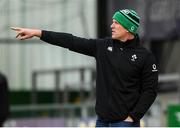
131, 36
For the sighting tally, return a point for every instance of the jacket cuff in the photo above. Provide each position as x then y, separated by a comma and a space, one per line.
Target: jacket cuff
42, 34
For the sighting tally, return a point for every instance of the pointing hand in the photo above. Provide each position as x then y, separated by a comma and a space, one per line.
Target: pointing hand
26, 33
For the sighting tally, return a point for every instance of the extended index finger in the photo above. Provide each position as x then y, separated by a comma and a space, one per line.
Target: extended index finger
16, 28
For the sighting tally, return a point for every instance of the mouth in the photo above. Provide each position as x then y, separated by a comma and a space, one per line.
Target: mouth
112, 32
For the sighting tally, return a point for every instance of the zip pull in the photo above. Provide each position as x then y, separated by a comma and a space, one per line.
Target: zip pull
121, 49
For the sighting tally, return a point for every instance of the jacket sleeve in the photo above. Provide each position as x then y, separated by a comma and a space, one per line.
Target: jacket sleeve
149, 79
73, 43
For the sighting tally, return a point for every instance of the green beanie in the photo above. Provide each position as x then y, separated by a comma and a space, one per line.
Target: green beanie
129, 19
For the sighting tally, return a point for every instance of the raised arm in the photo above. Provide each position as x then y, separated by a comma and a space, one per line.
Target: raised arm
65, 40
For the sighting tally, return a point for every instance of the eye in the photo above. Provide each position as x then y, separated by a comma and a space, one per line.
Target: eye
115, 22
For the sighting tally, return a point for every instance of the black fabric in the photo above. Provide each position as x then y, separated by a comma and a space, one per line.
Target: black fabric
4, 106
127, 76
133, 17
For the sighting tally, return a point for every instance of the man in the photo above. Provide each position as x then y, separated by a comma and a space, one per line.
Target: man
4, 102
127, 76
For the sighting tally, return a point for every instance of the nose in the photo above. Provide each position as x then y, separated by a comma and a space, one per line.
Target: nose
112, 25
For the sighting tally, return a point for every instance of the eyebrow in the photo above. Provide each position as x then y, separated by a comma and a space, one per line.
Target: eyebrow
114, 20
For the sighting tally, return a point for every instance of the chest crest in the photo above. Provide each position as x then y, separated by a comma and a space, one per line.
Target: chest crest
134, 57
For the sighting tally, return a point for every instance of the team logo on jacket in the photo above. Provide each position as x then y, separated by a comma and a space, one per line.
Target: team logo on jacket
110, 49
154, 68
134, 57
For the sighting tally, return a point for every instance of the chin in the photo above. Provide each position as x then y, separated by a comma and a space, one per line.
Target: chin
113, 37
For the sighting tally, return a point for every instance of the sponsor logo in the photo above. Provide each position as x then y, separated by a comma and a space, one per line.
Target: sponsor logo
132, 28
126, 11
110, 49
154, 68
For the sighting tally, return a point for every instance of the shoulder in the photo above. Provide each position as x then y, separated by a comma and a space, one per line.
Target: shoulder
150, 60
2, 77
147, 52
104, 41
3, 82
147, 55
144, 50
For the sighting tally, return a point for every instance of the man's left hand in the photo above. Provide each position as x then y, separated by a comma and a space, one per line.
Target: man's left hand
129, 119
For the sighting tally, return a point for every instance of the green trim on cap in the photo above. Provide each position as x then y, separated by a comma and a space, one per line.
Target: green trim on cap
126, 21
131, 18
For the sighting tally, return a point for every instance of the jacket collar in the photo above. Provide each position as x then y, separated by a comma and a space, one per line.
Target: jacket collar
128, 44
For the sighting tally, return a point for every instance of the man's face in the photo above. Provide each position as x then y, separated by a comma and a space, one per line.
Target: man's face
118, 31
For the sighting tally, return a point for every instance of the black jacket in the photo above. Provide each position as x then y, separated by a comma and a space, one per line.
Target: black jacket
127, 76
4, 102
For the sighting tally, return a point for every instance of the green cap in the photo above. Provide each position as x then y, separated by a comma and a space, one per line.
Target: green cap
129, 19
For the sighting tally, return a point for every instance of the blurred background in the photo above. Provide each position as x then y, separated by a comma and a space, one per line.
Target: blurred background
51, 86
